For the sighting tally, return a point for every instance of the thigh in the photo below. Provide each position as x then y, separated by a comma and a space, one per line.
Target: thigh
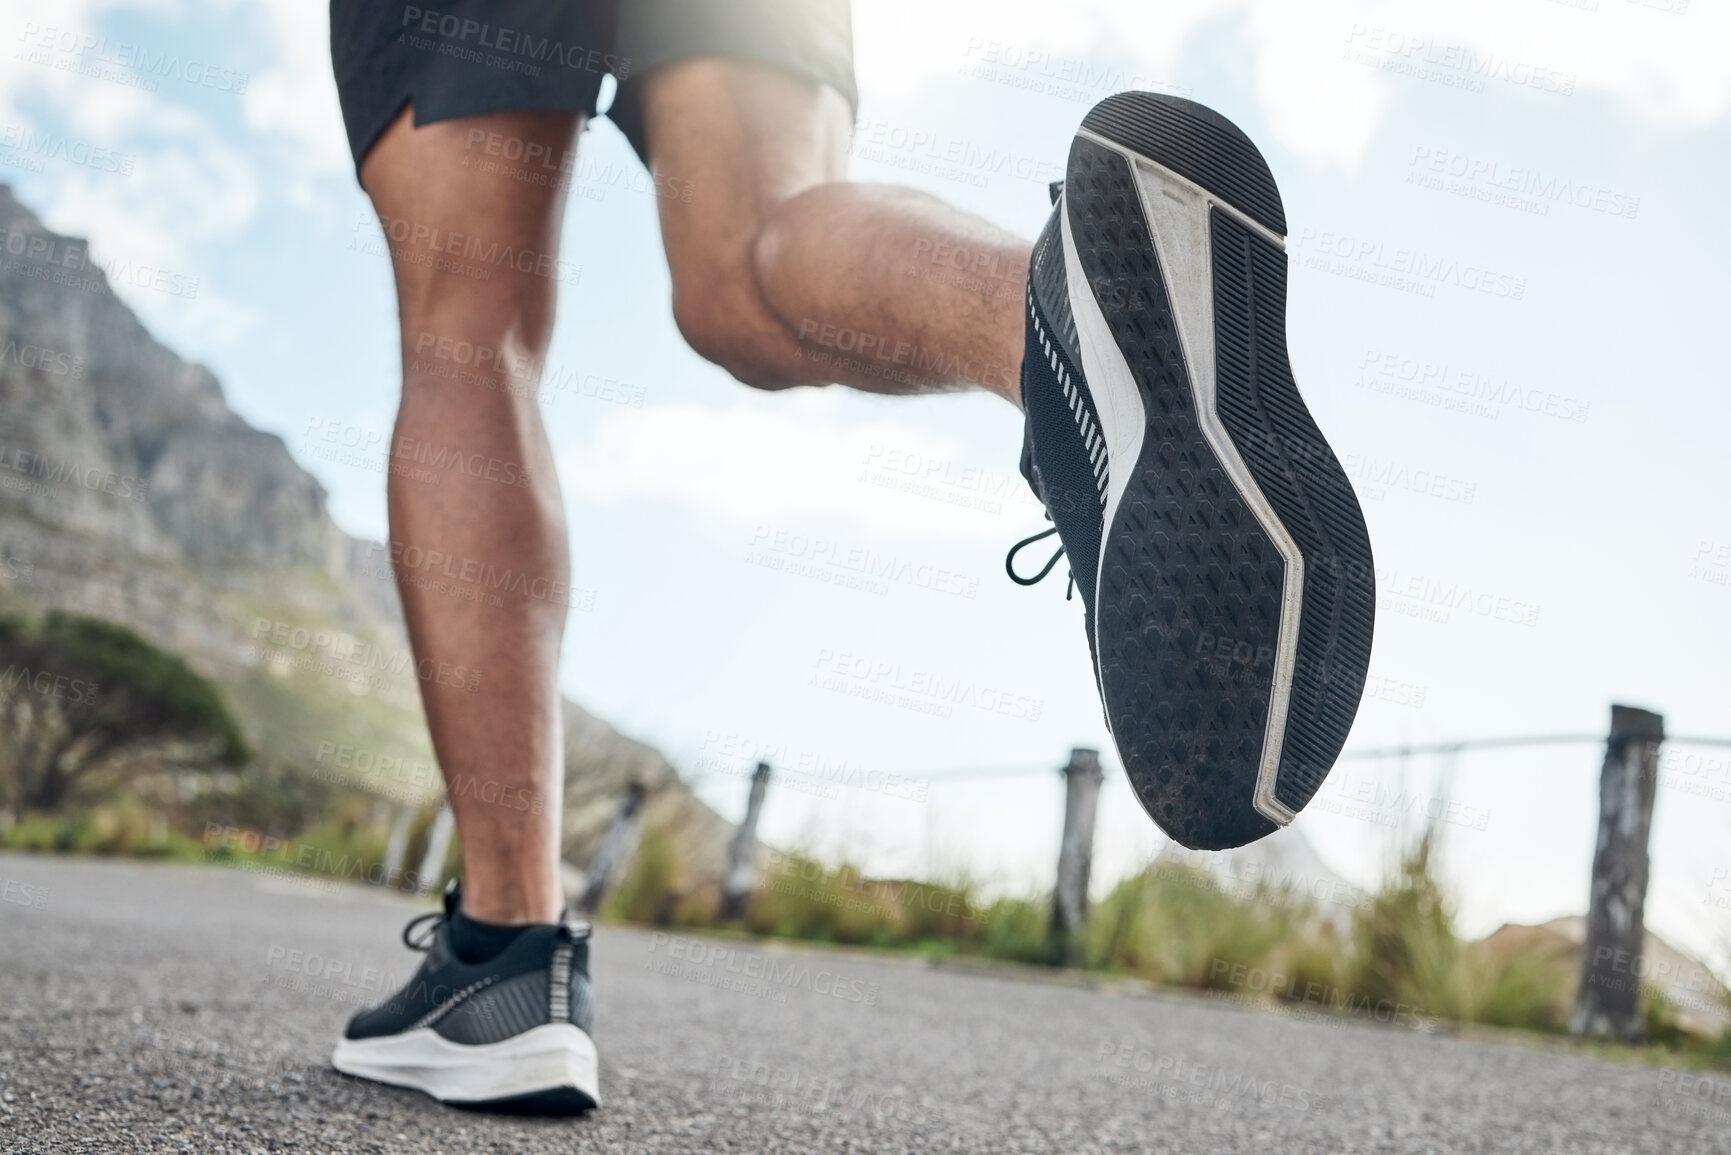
809, 39
471, 211
729, 140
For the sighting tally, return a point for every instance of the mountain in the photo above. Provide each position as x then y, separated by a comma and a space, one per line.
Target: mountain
130, 491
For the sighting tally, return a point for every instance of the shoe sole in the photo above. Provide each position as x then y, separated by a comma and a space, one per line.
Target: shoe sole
550, 1069
1236, 597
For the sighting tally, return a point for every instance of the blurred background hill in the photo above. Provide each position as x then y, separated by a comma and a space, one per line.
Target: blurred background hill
131, 493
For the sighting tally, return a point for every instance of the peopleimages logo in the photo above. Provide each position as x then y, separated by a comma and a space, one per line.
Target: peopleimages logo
868, 563
92, 53
52, 362
713, 964
1423, 57
938, 154
337, 653
448, 250
412, 560
336, 760
329, 968
44, 251
28, 142
1367, 258
1423, 593
1381, 476
873, 351
1223, 973
24, 894
528, 48
59, 471
923, 691
1221, 1085
1384, 371
1053, 74
47, 684
1526, 186
725, 751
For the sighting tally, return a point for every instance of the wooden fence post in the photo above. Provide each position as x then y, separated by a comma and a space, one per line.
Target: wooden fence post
616, 847
1608, 1003
438, 842
1082, 778
397, 845
740, 866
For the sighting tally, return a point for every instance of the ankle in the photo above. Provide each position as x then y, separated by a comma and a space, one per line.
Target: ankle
478, 941
507, 905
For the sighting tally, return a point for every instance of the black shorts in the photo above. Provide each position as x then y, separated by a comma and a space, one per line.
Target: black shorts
456, 58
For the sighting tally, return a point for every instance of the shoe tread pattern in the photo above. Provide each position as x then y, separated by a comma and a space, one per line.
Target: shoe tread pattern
1260, 405
1198, 144
1187, 564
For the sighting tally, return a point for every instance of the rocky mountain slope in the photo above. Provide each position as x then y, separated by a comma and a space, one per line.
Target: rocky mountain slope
130, 491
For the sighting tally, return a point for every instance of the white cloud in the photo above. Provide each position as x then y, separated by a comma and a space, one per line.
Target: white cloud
194, 182
1669, 68
901, 44
768, 458
183, 160
295, 99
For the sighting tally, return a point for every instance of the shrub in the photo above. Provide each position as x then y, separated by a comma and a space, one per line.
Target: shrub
649, 879
1311, 962
35, 832
1531, 988
1018, 930
801, 898
1175, 924
1660, 1018
82, 696
1404, 948
937, 912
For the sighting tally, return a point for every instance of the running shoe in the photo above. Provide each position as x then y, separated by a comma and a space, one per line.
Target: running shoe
1219, 549
509, 1034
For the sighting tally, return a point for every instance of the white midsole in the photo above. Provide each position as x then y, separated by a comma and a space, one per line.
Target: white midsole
1177, 210
544, 1058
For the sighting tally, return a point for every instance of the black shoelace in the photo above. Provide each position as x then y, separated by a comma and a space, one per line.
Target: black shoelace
432, 920
1010, 562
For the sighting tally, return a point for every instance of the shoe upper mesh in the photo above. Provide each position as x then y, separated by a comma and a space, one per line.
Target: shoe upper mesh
1065, 454
501, 993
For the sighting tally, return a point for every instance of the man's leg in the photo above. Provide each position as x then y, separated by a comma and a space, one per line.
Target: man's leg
786, 274
473, 338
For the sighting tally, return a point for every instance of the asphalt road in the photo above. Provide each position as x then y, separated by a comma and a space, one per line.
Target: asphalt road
172, 1008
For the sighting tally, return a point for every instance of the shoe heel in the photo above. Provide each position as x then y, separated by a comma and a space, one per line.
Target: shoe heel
1198, 144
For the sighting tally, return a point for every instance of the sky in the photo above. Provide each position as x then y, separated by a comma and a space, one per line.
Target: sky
1507, 246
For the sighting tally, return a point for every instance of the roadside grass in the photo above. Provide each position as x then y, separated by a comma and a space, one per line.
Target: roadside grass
1404, 948
1171, 924
1177, 925
125, 828
349, 843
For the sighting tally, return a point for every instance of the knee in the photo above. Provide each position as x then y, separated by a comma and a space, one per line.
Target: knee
779, 261
728, 326
725, 313
496, 347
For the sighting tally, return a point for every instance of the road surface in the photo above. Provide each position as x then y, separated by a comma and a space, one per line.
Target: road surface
191, 1009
